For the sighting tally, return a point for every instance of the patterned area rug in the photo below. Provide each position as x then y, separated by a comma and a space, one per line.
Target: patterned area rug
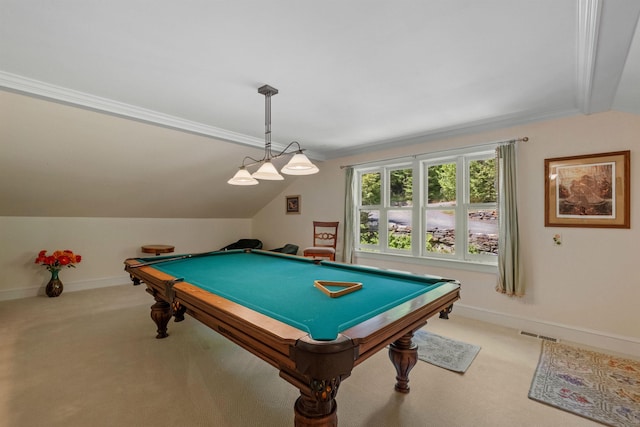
444, 352
603, 388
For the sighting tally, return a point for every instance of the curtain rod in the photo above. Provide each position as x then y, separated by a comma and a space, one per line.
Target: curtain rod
510, 141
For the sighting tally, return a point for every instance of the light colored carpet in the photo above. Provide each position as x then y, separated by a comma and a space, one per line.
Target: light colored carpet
595, 385
444, 352
90, 359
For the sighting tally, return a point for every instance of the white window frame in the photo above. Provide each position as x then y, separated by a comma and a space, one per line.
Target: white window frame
384, 207
418, 252
468, 206
359, 208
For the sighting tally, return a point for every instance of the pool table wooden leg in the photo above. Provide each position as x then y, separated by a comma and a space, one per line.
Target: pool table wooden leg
178, 311
444, 314
318, 410
404, 356
161, 314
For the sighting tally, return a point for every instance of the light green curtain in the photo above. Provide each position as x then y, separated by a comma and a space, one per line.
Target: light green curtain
349, 216
509, 272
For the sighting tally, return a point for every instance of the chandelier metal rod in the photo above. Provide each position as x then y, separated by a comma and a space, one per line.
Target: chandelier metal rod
267, 126
267, 91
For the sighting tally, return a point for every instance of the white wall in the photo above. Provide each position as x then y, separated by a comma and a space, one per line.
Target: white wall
322, 199
586, 290
104, 244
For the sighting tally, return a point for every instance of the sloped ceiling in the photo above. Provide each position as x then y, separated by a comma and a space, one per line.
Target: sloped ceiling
145, 109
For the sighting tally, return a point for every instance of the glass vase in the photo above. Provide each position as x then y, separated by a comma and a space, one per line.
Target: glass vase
54, 287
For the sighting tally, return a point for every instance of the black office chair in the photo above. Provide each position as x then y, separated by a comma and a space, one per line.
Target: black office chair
288, 249
244, 244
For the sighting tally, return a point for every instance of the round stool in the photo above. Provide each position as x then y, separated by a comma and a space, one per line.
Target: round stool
157, 249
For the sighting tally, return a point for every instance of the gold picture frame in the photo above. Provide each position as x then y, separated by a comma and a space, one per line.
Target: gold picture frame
292, 204
590, 190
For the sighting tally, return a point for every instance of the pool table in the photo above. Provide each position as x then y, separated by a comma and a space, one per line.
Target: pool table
269, 304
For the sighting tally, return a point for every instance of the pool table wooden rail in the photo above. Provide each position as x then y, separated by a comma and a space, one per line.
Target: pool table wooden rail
376, 333
316, 368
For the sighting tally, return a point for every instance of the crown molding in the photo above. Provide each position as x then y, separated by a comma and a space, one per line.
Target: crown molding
41, 89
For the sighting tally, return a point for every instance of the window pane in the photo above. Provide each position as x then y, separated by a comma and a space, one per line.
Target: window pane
483, 232
482, 181
369, 227
370, 187
441, 184
441, 233
401, 187
400, 229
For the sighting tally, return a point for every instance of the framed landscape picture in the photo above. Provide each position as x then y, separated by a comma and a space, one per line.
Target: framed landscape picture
292, 204
588, 191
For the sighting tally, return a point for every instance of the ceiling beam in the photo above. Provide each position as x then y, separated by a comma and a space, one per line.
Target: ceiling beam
605, 31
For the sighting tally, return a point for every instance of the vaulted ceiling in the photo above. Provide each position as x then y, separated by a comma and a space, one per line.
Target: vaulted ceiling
353, 76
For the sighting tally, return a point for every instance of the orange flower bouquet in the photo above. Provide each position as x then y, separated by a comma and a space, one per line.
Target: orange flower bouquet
58, 259
54, 263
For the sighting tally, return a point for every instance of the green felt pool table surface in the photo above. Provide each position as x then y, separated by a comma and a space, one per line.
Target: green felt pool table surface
282, 287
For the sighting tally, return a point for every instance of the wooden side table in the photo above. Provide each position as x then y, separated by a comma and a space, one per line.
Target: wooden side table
158, 249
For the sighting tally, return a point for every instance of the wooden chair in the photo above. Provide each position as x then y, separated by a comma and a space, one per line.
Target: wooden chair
325, 237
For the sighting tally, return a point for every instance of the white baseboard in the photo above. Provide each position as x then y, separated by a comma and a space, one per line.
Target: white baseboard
18, 293
591, 338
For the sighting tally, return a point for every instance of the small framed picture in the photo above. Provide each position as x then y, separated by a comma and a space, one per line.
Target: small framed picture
293, 204
588, 191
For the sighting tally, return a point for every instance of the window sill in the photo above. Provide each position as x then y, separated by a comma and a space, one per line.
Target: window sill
436, 262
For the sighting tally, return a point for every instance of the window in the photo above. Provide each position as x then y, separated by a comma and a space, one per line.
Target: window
386, 194
441, 207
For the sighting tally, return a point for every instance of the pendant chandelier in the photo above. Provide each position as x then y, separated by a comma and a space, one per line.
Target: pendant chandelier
298, 165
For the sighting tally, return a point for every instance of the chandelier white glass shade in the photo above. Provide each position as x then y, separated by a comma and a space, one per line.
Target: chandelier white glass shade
298, 165
268, 171
243, 177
